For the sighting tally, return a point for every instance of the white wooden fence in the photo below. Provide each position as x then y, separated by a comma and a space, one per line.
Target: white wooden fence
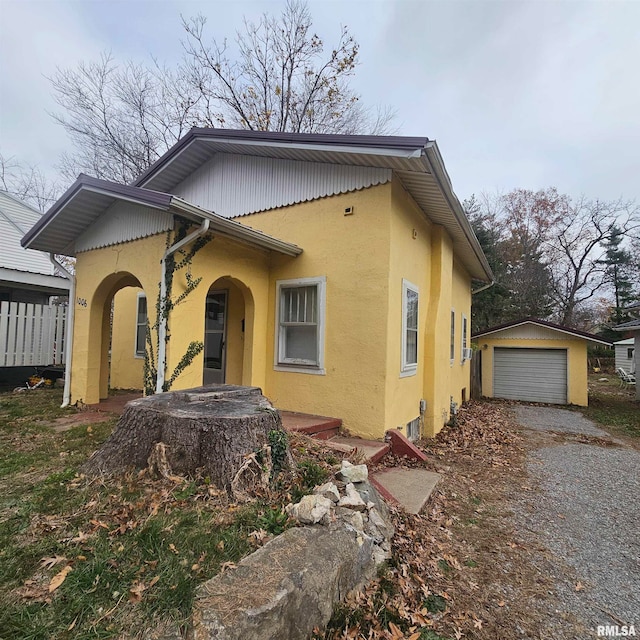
31, 334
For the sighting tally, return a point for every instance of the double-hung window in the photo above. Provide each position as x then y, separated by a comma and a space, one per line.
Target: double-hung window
141, 325
409, 328
464, 344
452, 341
300, 313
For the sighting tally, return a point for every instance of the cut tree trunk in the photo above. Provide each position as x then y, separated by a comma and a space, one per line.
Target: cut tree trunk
207, 430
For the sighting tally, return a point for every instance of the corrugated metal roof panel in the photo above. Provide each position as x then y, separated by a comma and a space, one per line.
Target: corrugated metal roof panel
235, 185
123, 222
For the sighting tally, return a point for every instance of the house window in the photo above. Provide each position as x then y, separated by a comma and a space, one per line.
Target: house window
630, 353
300, 323
463, 352
409, 328
452, 343
141, 325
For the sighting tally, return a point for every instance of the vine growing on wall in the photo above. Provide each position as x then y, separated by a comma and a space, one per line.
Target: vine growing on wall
177, 261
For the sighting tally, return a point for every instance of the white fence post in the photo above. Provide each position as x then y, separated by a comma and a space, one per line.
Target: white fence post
31, 334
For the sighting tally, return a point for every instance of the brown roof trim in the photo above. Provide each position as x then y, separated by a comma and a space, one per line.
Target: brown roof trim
84, 182
401, 143
542, 323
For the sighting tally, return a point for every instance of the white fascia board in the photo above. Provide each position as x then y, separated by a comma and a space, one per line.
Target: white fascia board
233, 229
34, 279
306, 146
567, 332
118, 197
435, 163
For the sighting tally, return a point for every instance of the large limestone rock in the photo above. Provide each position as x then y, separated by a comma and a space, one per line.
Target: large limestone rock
286, 588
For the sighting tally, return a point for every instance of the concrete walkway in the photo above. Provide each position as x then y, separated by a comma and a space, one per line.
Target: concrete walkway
410, 488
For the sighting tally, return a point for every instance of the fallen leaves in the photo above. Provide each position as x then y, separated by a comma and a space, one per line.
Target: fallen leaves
59, 578
430, 583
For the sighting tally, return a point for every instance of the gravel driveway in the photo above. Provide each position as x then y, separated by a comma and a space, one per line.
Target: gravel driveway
586, 513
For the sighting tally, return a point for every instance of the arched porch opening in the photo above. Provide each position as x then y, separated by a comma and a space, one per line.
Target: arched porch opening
228, 333
117, 331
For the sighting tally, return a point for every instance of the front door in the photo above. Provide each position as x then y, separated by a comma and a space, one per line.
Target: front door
215, 330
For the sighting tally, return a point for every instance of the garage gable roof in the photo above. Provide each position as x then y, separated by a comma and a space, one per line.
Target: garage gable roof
573, 333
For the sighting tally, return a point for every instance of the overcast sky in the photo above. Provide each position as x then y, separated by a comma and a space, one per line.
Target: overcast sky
517, 94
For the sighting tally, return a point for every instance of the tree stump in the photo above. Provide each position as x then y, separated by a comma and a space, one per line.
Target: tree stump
209, 430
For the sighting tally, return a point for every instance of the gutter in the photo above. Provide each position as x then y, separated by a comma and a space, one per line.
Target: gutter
66, 395
483, 287
162, 324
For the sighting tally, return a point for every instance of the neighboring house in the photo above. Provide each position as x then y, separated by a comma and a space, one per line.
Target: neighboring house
337, 278
633, 327
535, 361
26, 275
625, 355
31, 330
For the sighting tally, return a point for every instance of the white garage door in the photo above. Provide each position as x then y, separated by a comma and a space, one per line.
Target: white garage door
534, 375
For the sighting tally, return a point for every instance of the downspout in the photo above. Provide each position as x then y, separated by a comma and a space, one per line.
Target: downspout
162, 323
483, 287
66, 395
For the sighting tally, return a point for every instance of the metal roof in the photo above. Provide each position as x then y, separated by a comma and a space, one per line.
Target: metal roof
88, 198
415, 160
576, 333
633, 325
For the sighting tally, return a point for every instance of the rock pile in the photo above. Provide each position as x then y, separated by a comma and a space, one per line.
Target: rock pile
349, 499
289, 586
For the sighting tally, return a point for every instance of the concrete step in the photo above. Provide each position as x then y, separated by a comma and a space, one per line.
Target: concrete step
320, 427
410, 488
372, 450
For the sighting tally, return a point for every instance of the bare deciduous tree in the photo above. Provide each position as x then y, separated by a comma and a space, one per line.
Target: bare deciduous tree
27, 183
121, 118
547, 250
575, 249
282, 79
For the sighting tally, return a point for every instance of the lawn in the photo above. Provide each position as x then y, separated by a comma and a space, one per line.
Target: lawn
613, 407
91, 559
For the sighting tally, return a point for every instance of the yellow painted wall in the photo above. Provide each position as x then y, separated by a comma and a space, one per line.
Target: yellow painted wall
352, 252
246, 271
126, 367
577, 392
410, 259
422, 253
364, 258
100, 273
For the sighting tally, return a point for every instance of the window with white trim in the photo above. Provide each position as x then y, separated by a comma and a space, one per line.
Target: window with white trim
410, 297
452, 342
464, 344
300, 323
141, 325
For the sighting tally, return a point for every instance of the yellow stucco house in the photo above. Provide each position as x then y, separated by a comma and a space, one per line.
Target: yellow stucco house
335, 272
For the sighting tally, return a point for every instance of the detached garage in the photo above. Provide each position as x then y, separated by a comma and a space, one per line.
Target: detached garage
535, 361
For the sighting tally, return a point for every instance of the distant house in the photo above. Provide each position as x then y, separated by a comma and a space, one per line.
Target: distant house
26, 275
633, 327
625, 355
337, 274
31, 330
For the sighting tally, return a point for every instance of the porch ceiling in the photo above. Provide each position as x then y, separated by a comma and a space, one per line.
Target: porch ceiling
89, 198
